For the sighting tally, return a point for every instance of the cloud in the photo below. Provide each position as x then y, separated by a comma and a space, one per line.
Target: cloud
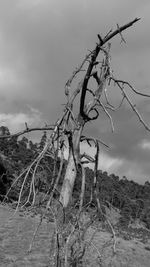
16, 122
7, 77
129, 152
145, 144
109, 163
28, 4
106, 162
10, 83
134, 170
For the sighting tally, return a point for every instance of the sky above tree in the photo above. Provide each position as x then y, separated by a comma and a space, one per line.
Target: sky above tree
41, 43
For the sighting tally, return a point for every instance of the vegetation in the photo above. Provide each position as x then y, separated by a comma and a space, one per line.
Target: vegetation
131, 198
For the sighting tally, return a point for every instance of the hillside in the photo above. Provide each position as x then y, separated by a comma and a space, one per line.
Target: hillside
16, 234
120, 232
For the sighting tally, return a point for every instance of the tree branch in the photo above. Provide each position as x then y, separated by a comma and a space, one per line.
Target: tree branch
109, 116
129, 85
28, 130
132, 106
88, 140
77, 70
124, 27
93, 59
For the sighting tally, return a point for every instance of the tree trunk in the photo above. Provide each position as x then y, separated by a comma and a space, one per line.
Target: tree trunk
71, 170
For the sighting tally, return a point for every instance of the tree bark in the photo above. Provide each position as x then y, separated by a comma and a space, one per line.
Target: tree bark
71, 170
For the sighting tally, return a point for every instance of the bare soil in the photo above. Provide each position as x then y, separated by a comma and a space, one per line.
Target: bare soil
16, 233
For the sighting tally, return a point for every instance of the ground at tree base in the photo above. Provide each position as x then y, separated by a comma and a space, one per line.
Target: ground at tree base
16, 232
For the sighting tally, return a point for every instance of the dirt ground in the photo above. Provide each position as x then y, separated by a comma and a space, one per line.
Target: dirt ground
16, 233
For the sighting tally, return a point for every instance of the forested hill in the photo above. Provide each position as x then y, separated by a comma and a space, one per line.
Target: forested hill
131, 198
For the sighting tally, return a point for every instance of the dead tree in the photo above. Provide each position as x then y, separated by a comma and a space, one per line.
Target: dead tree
100, 71
96, 66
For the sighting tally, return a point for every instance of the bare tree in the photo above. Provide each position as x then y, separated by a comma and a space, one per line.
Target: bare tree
96, 68
100, 71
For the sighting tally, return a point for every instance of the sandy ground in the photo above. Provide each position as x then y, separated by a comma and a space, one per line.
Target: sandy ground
16, 233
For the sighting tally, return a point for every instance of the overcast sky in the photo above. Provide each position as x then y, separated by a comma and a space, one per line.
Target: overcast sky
41, 43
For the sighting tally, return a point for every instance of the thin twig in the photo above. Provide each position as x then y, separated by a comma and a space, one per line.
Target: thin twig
88, 140
109, 116
133, 107
77, 70
34, 235
122, 38
118, 81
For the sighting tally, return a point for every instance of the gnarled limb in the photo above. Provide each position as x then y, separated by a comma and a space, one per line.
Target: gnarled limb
94, 55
